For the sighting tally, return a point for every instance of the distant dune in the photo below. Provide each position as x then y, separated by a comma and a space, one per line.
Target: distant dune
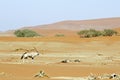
70, 28
99, 24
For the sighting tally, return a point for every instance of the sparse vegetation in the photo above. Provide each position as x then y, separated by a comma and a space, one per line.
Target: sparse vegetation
95, 33
89, 33
26, 33
41, 74
59, 35
109, 32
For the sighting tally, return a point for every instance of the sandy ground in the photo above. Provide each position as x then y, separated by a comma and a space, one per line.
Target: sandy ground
97, 55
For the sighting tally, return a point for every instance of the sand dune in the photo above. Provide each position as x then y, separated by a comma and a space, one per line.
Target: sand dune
70, 28
99, 24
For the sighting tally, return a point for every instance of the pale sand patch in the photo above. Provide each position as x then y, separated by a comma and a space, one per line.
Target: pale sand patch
70, 78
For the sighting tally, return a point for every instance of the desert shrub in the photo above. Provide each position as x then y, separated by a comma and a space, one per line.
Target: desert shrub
25, 33
19, 33
95, 33
59, 35
89, 33
83, 32
109, 32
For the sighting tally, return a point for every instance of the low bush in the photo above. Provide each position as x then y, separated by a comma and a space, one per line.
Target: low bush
96, 33
26, 33
109, 32
89, 33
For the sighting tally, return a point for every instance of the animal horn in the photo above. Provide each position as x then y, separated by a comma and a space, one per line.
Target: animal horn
26, 50
19, 49
35, 49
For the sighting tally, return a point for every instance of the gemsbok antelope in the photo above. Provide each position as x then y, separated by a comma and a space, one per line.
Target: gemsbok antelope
30, 54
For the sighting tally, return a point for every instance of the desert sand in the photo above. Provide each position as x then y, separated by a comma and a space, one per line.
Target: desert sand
98, 55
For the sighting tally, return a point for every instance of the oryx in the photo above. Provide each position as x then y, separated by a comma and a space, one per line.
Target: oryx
30, 54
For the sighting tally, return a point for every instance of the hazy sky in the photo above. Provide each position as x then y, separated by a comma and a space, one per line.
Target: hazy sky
18, 13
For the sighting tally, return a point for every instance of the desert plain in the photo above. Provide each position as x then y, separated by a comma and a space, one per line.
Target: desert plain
97, 55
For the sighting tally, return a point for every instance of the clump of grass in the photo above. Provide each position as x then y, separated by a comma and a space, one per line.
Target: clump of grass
41, 74
59, 35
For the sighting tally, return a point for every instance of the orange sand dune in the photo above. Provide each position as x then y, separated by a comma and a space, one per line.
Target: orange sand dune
70, 28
